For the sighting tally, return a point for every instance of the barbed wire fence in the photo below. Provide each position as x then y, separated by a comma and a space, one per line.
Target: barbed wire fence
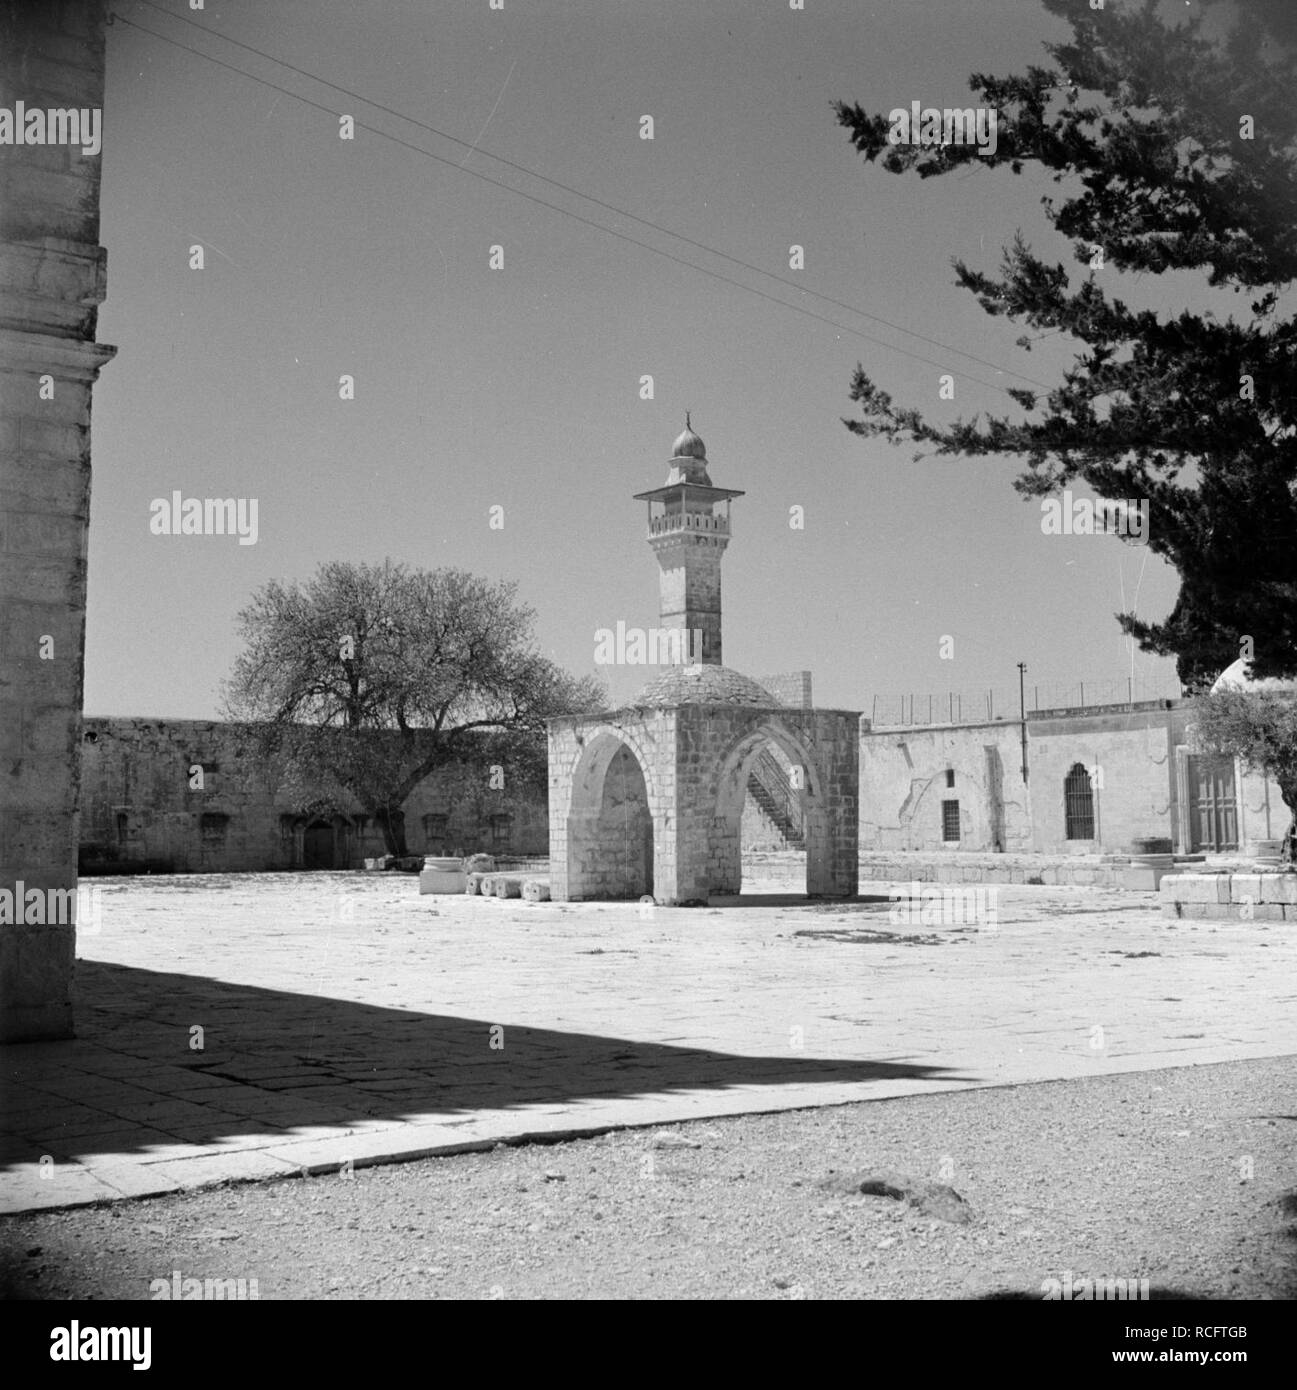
986, 704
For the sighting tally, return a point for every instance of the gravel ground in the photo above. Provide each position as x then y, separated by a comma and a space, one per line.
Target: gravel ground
1144, 1175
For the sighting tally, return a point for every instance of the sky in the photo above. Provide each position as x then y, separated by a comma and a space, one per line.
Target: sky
520, 387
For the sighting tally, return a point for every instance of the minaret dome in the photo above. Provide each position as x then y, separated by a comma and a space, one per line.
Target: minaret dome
688, 445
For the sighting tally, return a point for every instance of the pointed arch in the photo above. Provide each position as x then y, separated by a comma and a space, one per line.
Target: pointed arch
609, 825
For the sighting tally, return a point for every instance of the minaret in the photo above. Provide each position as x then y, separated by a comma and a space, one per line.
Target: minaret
689, 535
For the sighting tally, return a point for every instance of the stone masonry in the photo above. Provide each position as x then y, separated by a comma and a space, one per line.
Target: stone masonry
682, 773
649, 800
52, 280
143, 809
1246, 897
1140, 759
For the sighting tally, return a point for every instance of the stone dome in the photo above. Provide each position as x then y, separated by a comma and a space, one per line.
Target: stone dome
701, 684
1235, 677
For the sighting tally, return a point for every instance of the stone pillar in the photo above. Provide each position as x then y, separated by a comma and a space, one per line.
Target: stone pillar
562, 758
725, 866
838, 734
693, 748
52, 277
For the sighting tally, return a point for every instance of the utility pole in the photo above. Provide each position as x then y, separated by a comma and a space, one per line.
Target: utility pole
1022, 714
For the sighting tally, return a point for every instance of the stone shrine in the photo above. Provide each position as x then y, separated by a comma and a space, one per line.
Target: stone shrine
648, 800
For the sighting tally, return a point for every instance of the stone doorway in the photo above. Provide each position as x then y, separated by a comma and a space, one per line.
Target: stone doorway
318, 846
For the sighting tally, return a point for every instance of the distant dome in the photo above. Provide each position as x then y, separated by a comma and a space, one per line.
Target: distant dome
703, 685
1235, 677
688, 445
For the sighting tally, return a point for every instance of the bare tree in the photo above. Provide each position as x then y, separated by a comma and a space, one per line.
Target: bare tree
366, 679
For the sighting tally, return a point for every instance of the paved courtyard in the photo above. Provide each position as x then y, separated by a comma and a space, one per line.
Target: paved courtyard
240, 1026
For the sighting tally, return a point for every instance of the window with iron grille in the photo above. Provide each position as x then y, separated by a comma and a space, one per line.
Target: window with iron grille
950, 820
434, 829
501, 829
1078, 804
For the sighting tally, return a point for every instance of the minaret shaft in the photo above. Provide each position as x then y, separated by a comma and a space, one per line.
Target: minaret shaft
690, 592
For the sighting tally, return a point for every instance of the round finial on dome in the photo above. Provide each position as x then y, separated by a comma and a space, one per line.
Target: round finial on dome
688, 445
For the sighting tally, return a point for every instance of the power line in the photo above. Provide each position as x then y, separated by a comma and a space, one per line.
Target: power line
590, 198
567, 212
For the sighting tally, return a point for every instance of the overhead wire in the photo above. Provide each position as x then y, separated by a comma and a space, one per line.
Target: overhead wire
567, 212
474, 148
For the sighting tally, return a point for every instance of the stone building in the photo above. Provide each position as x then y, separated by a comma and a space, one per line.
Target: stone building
1097, 779
52, 281
144, 809
649, 800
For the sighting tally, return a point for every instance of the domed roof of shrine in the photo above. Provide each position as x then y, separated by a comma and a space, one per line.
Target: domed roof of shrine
1235, 677
701, 684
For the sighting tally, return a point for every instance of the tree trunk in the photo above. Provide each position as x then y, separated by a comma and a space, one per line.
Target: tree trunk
392, 824
1288, 790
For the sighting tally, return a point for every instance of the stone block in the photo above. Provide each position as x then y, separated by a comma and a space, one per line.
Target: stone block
49, 487
42, 203
1199, 911
48, 435
44, 533
1279, 888
1245, 888
1197, 888
1142, 880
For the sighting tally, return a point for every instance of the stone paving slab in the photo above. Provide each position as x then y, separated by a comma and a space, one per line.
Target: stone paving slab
240, 1027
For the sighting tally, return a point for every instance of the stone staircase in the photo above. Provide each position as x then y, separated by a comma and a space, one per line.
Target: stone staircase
780, 803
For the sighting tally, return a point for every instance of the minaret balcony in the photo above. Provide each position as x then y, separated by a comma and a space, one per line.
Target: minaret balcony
679, 523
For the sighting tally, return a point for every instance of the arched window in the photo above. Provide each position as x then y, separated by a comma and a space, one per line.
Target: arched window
1078, 803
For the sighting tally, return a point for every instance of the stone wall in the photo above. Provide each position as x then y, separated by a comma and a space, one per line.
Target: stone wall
143, 808
904, 781
1131, 759
789, 688
1137, 758
1080, 870
52, 280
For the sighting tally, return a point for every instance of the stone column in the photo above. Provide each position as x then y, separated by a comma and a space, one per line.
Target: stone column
562, 759
845, 805
52, 276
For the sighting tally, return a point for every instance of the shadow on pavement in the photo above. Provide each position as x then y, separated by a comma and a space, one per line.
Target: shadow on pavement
272, 1060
